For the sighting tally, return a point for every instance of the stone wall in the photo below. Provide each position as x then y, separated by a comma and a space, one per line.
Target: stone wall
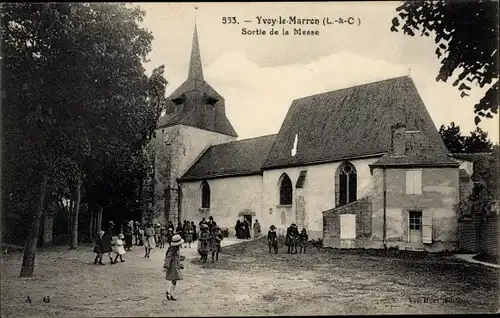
490, 238
316, 196
331, 221
440, 192
176, 149
228, 197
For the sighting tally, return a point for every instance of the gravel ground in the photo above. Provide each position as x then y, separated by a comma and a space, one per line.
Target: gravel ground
248, 281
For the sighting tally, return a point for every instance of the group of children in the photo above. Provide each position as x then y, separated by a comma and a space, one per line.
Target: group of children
149, 236
210, 240
104, 244
292, 235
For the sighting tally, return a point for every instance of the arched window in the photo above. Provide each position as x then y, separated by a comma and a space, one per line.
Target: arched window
205, 195
285, 190
345, 184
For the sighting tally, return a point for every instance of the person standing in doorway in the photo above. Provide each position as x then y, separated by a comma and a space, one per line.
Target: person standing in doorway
247, 229
256, 229
173, 266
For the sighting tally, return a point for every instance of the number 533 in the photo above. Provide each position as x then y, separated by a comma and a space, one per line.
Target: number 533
229, 20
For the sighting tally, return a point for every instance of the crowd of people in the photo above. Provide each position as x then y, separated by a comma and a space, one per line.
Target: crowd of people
292, 239
133, 233
183, 235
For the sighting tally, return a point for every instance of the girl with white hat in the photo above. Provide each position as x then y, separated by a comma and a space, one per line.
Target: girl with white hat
173, 265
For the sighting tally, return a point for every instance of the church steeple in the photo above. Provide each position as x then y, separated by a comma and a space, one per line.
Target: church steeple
195, 66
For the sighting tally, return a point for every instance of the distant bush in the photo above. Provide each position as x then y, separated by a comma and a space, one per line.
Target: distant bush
225, 232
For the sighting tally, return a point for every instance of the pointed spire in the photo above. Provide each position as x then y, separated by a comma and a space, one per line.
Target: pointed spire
195, 66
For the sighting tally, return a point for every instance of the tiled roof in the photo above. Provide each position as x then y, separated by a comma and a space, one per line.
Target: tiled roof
349, 123
419, 152
242, 157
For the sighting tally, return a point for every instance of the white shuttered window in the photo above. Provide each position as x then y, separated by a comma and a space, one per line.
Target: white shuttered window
414, 181
427, 227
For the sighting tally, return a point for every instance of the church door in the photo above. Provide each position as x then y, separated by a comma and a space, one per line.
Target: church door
248, 218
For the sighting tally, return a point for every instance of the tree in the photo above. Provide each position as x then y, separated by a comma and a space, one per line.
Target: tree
478, 142
75, 96
452, 138
466, 35
457, 143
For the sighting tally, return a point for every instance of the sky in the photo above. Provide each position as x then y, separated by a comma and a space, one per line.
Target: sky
260, 75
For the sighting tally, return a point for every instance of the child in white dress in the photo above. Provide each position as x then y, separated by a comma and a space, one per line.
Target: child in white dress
119, 248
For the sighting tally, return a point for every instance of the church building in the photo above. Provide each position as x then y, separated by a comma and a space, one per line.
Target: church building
358, 167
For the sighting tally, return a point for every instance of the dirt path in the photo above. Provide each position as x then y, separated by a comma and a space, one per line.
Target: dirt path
246, 281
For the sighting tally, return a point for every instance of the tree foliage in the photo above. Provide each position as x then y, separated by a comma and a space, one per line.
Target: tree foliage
77, 106
466, 35
477, 141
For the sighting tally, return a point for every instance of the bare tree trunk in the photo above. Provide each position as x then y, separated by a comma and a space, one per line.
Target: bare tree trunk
74, 227
99, 219
92, 226
70, 214
30, 246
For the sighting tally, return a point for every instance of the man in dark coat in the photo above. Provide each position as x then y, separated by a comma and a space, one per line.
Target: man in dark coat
247, 229
137, 228
170, 225
291, 231
106, 246
272, 239
237, 229
180, 230
203, 221
210, 223
127, 232
195, 234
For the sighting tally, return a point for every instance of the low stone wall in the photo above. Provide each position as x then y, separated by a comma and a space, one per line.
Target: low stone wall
331, 223
489, 242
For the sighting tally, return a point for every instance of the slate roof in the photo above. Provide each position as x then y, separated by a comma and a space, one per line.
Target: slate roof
419, 152
195, 103
350, 123
242, 157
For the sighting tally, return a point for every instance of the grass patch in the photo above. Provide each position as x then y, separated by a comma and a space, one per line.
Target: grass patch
484, 257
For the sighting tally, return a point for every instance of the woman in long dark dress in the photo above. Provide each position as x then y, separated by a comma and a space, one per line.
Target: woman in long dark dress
195, 234
180, 230
237, 229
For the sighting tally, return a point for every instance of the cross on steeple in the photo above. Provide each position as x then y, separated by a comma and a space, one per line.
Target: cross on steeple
195, 66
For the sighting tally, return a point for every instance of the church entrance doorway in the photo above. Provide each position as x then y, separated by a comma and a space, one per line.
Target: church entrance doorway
247, 216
